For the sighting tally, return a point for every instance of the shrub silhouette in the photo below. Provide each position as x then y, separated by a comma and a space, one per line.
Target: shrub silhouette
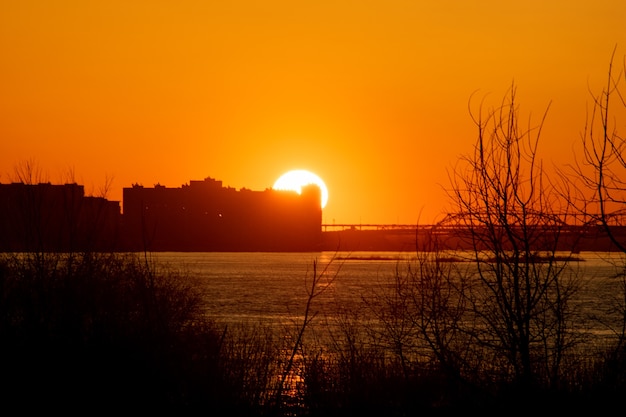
103, 331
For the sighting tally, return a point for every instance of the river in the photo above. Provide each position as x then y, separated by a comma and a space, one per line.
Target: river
273, 287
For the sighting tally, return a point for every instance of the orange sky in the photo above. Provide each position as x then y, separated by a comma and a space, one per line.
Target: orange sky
369, 95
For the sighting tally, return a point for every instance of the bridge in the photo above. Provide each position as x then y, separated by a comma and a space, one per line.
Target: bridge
370, 226
565, 221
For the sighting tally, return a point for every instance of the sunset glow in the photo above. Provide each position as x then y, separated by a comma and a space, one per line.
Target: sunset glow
371, 96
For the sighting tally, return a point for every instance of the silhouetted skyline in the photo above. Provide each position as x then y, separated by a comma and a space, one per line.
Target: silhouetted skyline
198, 216
206, 216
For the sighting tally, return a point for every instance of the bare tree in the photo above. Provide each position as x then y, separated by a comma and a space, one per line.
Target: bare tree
602, 169
602, 172
105, 188
28, 172
508, 215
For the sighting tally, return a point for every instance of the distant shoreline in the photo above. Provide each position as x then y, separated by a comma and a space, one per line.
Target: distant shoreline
538, 259
573, 240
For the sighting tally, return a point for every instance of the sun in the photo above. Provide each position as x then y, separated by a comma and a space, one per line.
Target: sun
296, 179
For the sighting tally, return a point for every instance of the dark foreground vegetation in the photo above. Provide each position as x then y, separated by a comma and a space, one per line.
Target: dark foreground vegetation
93, 333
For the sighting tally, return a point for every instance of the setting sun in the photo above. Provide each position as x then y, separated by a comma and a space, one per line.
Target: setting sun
296, 179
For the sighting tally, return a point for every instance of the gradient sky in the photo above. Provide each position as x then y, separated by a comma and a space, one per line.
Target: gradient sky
372, 96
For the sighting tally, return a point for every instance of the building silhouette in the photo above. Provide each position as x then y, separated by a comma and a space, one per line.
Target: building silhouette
199, 216
56, 218
205, 216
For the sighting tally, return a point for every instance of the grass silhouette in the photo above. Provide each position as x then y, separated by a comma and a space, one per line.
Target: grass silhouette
96, 333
